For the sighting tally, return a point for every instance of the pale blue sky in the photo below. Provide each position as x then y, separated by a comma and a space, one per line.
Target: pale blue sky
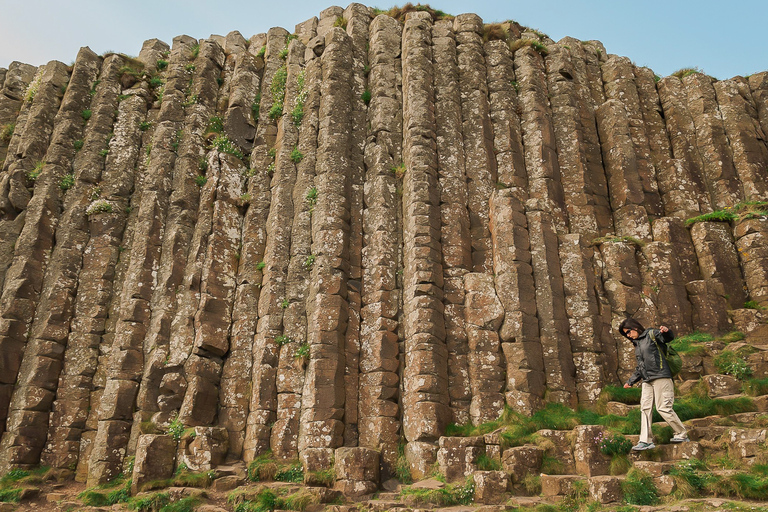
722, 38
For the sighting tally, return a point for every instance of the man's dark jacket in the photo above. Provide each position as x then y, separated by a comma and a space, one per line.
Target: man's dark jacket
650, 364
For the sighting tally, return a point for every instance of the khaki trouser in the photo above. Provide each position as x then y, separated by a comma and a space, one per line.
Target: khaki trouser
661, 391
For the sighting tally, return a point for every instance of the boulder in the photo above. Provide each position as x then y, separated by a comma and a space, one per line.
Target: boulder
155, 457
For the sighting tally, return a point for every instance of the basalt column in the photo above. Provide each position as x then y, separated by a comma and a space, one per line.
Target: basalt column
235, 378
688, 165
619, 79
126, 358
358, 20
39, 373
323, 397
24, 277
97, 283
379, 411
171, 333
274, 266
712, 142
578, 146
291, 250
541, 162
746, 138
456, 241
519, 332
681, 195
425, 401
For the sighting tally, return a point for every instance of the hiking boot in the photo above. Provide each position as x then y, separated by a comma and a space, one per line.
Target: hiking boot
639, 447
679, 438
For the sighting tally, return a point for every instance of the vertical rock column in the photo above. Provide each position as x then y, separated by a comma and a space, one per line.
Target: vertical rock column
619, 80
32, 135
276, 242
42, 362
322, 408
747, 140
550, 305
623, 284
484, 313
752, 244
718, 260
289, 191
758, 85
126, 358
172, 333
541, 162
593, 352
578, 147
515, 288
425, 400
456, 242
218, 268
14, 82
23, 279
478, 135
358, 20
504, 104
712, 141
680, 195
379, 412
151, 52
621, 166
687, 175
96, 285
234, 393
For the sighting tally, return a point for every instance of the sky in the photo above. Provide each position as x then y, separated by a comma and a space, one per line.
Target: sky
720, 38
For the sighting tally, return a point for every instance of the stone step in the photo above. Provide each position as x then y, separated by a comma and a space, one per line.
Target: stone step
669, 452
388, 496
558, 485
383, 505
653, 468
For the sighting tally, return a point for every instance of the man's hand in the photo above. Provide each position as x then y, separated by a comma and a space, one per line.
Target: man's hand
627, 386
664, 328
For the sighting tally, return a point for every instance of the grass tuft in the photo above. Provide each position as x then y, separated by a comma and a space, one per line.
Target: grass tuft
639, 488
448, 496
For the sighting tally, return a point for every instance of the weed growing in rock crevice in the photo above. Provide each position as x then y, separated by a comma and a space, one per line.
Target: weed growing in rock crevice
738, 212
277, 88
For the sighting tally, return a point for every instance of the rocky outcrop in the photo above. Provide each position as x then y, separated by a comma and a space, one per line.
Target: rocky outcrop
332, 244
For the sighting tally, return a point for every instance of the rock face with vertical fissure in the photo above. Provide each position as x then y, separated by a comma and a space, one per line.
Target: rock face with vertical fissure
330, 245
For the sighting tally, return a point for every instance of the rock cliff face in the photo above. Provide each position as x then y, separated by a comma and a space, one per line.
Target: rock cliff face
354, 235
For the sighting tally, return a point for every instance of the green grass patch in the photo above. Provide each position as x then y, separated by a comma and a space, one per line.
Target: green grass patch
265, 468
277, 88
224, 145
10, 495
738, 212
267, 500
755, 387
402, 466
690, 344
448, 496
690, 478
639, 488
6, 132
149, 502
684, 72
629, 396
732, 362
486, 463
